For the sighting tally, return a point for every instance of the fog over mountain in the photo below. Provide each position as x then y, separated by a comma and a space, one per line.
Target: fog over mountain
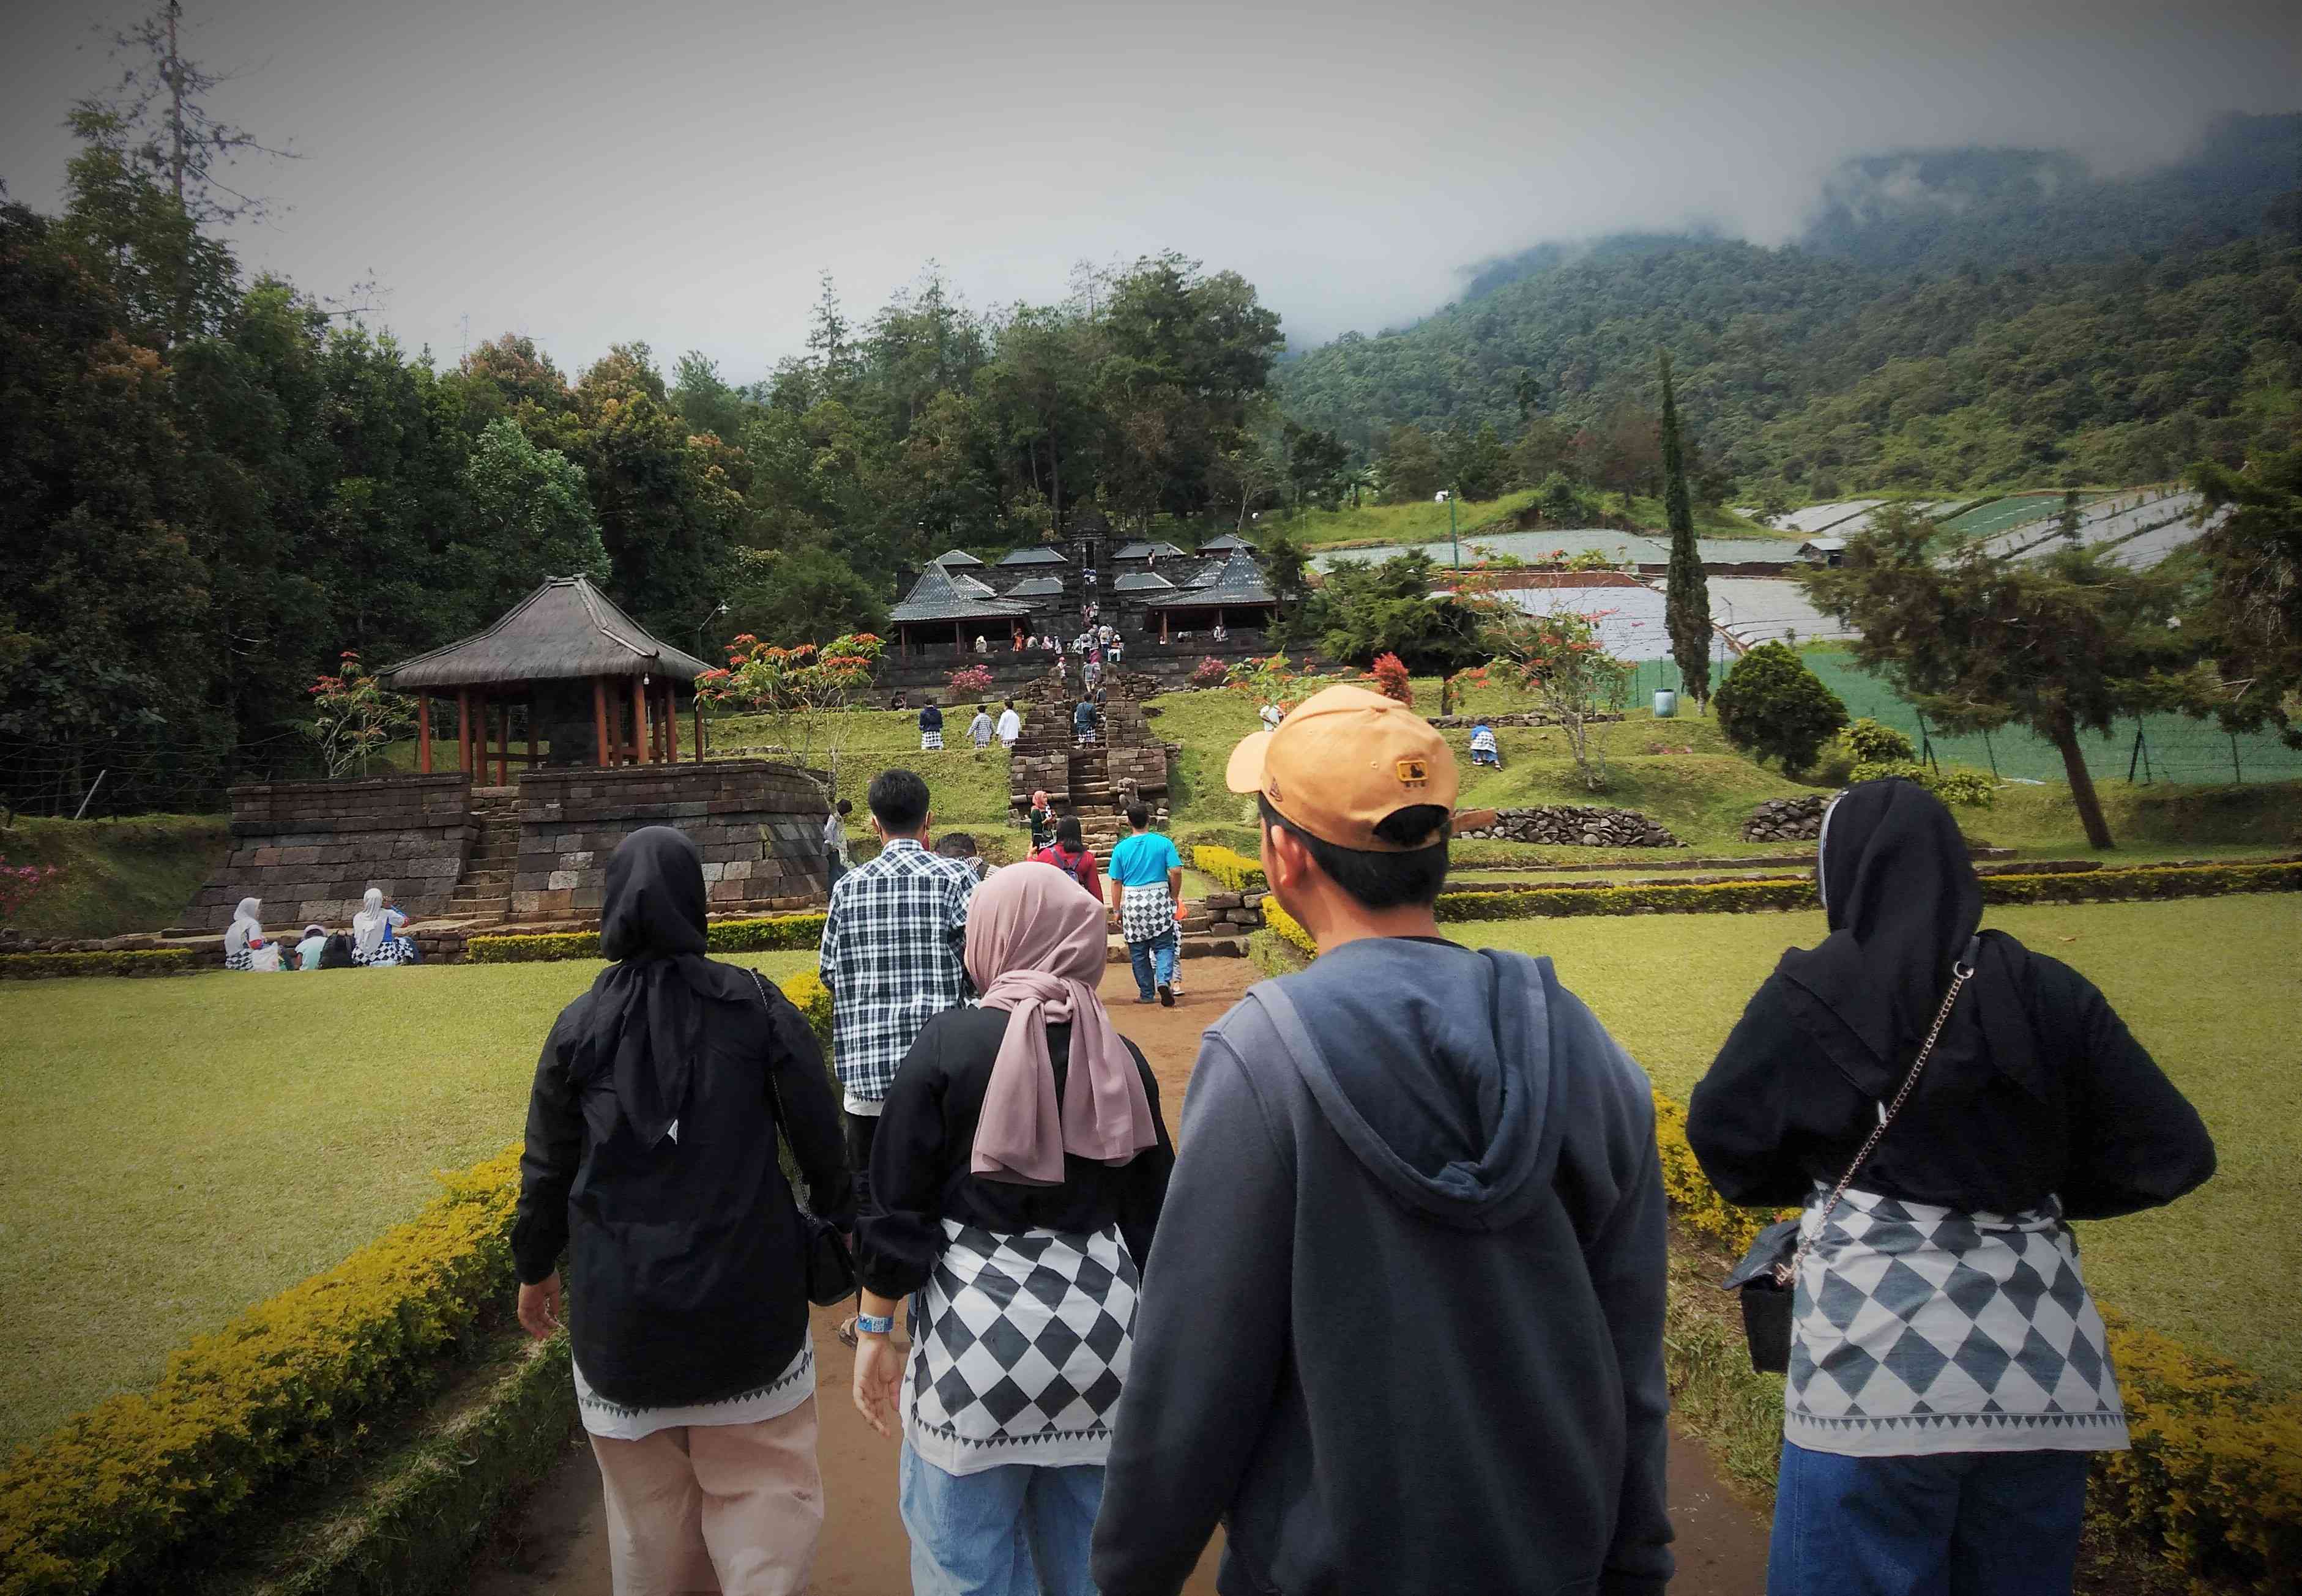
682, 172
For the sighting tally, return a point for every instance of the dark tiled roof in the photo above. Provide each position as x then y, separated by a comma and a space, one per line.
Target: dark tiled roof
564, 631
952, 560
1143, 582
1037, 587
1230, 542
1149, 551
938, 596
1038, 554
1239, 582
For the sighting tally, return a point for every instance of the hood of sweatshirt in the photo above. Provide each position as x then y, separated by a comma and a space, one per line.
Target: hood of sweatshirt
1434, 1065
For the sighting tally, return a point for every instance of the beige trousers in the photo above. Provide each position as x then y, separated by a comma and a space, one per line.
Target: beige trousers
726, 1507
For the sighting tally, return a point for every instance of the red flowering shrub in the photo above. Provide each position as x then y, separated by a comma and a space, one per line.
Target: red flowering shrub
1390, 679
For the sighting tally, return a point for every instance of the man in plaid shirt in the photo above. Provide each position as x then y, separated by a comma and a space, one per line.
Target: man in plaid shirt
891, 949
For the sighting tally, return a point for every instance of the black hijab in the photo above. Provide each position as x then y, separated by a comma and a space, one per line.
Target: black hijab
1902, 903
645, 1020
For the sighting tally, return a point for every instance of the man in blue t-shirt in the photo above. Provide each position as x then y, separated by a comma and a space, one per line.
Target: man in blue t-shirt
1147, 878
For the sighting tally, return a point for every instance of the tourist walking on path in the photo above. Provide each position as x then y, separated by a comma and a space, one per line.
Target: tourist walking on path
1042, 819
891, 955
1147, 883
1019, 1169
1010, 724
1403, 1327
979, 730
376, 932
1071, 855
1083, 721
930, 727
834, 844
651, 1159
1949, 1379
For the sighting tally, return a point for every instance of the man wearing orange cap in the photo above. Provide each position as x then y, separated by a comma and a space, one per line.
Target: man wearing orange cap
1401, 1329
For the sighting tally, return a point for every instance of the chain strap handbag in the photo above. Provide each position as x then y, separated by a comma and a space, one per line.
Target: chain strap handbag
823, 1251
1768, 1275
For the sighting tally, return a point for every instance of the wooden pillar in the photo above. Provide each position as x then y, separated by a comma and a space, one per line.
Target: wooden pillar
462, 728
424, 733
530, 731
1162, 626
639, 721
699, 731
503, 745
671, 724
600, 718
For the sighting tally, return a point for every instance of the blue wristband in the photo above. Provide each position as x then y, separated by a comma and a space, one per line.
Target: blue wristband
868, 1324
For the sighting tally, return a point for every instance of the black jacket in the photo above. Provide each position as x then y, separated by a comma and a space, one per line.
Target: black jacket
1402, 1331
2095, 1120
687, 1279
920, 1157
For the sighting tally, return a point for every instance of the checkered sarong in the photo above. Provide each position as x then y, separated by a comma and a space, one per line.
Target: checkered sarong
1919, 1330
929, 741
1021, 1348
1146, 913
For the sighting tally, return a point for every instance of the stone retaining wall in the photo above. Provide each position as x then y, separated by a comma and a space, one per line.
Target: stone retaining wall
310, 849
759, 824
1456, 722
1578, 827
1787, 820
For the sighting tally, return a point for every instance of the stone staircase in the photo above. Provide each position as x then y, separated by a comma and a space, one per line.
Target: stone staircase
484, 892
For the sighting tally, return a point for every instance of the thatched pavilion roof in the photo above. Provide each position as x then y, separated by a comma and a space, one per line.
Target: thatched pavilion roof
938, 596
565, 630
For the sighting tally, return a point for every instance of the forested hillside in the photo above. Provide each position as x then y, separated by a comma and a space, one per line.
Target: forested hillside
1952, 320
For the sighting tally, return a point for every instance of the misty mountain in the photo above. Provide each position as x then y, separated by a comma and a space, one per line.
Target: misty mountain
1949, 318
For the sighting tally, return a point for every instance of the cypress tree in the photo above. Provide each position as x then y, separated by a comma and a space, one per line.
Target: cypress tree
1686, 596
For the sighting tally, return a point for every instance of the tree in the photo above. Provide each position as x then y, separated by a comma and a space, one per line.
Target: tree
1365, 610
785, 596
1478, 464
530, 519
2252, 616
1772, 706
1557, 657
1625, 451
1315, 462
2067, 523
801, 695
1686, 602
354, 718
1413, 468
2063, 644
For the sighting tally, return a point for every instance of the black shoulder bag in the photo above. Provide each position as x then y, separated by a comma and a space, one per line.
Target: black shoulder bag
823, 1251
1768, 1275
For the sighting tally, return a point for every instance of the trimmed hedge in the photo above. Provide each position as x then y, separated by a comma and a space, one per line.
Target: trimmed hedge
108, 1498
141, 962
1233, 868
1289, 929
1728, 897
774, 933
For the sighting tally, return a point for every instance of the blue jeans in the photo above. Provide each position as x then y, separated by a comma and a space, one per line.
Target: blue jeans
1011, 1531
1959, 1523
1155, 963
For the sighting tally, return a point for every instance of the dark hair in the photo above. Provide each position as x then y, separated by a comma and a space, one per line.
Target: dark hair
1379, 880
956, 844
845, 807
1139, 816
1068, 833
899, 801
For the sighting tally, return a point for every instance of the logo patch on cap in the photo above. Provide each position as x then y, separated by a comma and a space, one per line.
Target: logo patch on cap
1413, 773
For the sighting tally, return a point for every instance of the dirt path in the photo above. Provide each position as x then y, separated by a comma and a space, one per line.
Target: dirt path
557, 1543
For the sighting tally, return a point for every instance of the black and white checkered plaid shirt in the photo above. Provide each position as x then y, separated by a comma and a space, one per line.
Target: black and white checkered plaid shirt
892, 949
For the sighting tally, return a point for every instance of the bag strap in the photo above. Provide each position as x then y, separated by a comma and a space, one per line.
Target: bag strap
775, 1091
1961, 970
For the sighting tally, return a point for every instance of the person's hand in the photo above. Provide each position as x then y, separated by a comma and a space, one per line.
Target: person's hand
879, 1369
538, 1307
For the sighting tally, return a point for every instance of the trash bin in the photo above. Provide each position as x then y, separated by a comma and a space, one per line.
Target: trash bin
1665, 704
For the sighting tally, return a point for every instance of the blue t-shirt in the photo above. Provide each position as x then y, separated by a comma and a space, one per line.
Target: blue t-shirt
1144, 860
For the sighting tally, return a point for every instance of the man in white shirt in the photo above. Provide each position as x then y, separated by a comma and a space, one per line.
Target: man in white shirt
1010, 725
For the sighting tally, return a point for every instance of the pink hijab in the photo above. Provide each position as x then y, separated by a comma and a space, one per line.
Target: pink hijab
1036, 946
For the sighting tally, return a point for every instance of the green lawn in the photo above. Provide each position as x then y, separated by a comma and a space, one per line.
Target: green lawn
131, 874
171, 1151
2211, 987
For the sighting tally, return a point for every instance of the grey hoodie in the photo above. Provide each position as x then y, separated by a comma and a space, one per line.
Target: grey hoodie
1402, 1326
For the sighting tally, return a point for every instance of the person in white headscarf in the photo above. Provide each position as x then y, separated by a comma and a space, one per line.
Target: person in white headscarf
375, 931
244, 936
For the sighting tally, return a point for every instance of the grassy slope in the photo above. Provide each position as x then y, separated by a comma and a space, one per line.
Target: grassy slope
1422, 521
2223, 1267
118, 876
171, 1151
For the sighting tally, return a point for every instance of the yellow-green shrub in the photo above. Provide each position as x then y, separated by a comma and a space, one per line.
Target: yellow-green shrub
158, 960
1276, 919
1233, 868
776, 933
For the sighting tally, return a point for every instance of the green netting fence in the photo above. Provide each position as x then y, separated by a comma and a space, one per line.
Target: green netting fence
2152, 748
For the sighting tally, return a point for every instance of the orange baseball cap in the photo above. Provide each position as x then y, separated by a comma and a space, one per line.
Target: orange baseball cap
1343, 761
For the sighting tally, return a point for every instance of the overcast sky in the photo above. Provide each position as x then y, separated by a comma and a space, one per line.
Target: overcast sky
680, 171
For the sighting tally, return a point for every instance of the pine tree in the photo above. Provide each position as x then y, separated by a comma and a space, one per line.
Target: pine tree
1686, 601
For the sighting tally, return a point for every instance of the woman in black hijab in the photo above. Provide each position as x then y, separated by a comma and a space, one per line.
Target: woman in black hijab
652, 1136
1948, 1379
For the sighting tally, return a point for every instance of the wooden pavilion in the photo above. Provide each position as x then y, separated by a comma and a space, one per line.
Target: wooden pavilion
1239, 595
938, 607
566, 669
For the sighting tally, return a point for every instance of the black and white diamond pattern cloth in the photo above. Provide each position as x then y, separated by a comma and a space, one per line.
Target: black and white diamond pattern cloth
1146, 913
1021, 1348
1921, 1329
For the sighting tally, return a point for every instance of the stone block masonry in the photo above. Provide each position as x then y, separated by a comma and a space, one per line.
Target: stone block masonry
757, 824
310, 849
